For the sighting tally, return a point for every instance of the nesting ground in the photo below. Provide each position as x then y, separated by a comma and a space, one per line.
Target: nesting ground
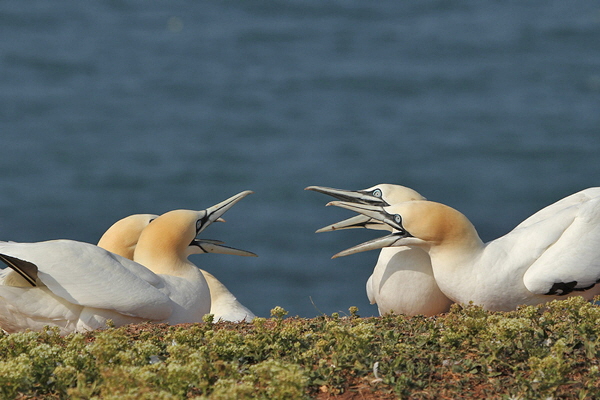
534, 352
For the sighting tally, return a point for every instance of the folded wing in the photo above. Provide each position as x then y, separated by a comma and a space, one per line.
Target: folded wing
572, 262
87, 275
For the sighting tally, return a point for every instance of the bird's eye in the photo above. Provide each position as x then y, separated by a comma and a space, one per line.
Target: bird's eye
198, 225
398, 219
377, 193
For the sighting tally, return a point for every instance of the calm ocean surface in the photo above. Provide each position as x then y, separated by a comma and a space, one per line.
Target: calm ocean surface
110, 108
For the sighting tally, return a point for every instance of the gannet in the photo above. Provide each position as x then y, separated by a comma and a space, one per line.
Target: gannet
79, 286
122, 237
552, 255
402, 281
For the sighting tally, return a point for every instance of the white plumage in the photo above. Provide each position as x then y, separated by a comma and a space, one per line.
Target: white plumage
402, 281
224, 305
122, 237
79, 286
551, 255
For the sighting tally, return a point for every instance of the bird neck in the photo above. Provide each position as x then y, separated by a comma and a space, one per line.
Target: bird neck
218, 291
452, 242
453, 264
163, 261
447, 233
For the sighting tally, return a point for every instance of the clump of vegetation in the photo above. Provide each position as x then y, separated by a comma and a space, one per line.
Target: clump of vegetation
548, 351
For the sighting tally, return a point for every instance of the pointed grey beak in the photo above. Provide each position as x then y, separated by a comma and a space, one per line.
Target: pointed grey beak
358, 221
214, 213
353, 196
376, 212
216, 246
378, 243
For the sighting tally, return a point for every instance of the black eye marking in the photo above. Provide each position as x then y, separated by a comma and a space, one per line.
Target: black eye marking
377, 193
200, 223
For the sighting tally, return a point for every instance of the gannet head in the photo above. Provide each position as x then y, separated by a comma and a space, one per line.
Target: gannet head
383, 195
171, 237
122, 237
415, 223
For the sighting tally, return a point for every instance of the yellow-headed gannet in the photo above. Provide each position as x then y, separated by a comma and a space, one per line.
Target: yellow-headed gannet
122, 237
79, 286
552, 255
402, 281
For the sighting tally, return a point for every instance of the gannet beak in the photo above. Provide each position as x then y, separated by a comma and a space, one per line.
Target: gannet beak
358, 221
376, 212
211, 215
353, 196
214, 213
216, 246
397, 238
379, 243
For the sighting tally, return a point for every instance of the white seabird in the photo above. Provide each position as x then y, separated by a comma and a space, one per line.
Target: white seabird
551, 255
402, 281
122, 237
79, 286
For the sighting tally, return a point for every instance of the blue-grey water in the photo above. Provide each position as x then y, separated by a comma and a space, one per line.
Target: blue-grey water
110, 108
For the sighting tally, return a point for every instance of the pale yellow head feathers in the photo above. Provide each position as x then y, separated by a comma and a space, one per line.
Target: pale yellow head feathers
434, 223
165, 244
415, 223
170, 233
122, 237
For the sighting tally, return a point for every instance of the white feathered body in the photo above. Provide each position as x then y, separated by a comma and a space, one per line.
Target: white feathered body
224, 305
402, 282
552, 255
80, 286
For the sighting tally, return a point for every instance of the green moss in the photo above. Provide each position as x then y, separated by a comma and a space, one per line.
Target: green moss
15, 375
534, 352
259, 381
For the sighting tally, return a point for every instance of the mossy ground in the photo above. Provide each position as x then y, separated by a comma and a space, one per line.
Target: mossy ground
549, 351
